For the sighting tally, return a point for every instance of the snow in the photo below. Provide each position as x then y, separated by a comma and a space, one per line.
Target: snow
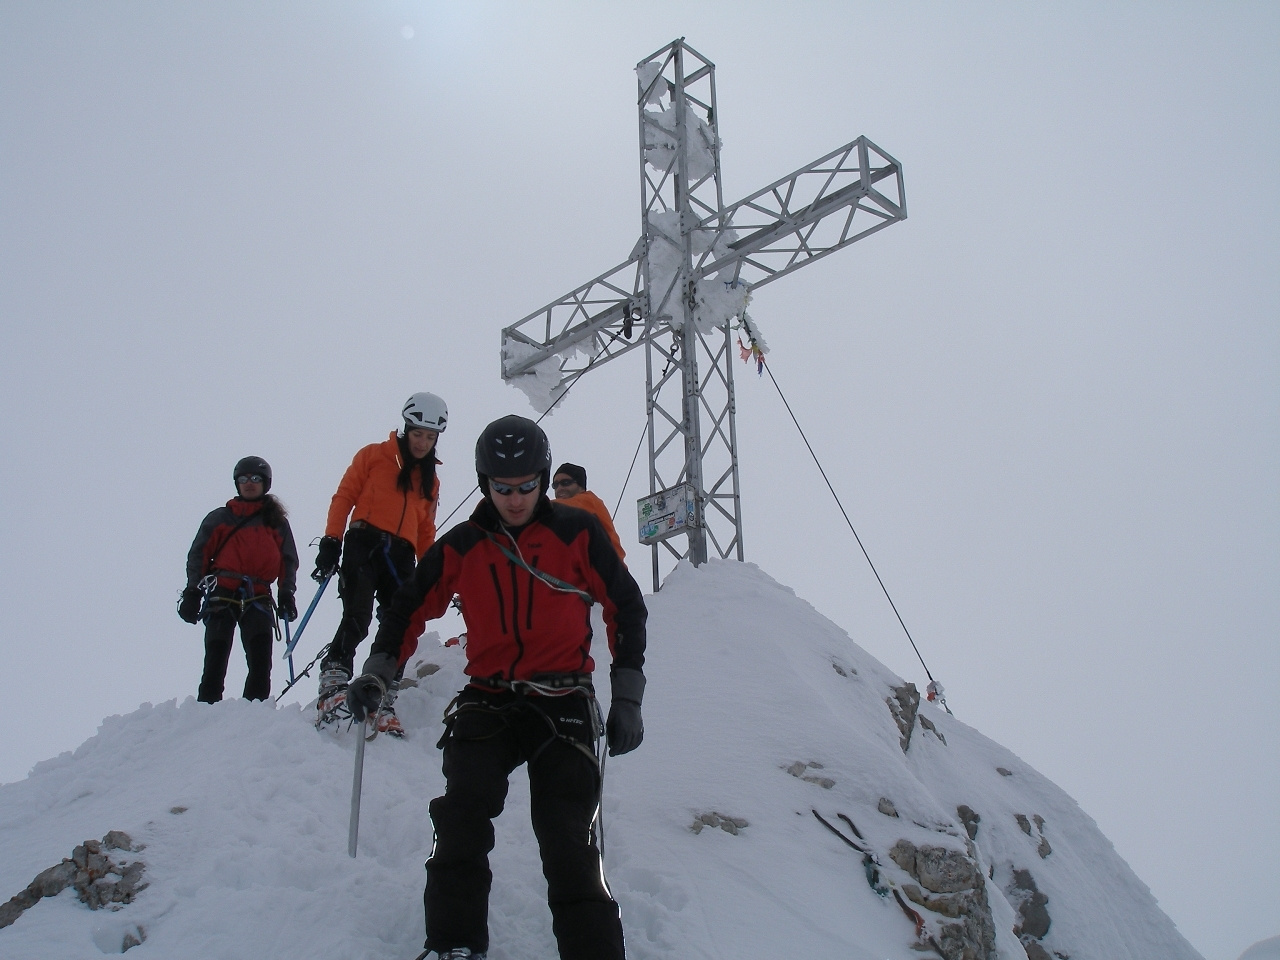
543, 383
243, 809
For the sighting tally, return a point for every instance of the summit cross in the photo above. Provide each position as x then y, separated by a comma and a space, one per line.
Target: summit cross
687, 281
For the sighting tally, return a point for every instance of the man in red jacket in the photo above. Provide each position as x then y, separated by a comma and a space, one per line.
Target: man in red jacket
528, 571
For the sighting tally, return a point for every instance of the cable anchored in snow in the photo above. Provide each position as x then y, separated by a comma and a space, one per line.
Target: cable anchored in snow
934, 690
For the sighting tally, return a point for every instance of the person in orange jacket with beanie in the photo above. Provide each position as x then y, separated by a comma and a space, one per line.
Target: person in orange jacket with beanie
390, 493
570, 485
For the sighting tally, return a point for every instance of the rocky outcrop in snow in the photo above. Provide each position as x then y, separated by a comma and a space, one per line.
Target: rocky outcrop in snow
98, 878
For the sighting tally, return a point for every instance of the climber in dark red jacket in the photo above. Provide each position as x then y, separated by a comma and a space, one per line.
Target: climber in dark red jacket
239, 551
527, 572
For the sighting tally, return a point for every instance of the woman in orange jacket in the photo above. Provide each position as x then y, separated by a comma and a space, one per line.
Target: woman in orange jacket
390, 493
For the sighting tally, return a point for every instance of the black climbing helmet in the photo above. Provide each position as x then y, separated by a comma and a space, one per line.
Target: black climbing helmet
512, 447
248, 466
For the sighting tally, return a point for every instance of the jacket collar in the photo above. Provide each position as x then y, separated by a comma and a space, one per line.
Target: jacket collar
244, 508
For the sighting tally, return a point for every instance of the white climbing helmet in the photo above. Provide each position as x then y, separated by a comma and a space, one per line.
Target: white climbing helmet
425, 410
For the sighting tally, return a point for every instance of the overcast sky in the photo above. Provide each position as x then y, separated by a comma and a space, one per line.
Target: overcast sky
1049, 399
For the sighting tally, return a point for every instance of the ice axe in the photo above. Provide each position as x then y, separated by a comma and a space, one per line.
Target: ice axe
353, 830
291, 643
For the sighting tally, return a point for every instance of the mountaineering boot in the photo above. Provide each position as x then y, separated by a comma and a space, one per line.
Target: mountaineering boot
460, 953
387, 721
331, 705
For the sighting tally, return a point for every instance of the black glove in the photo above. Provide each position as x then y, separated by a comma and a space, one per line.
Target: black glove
624, 729
189, 605
327, 558
364, 694
286, 606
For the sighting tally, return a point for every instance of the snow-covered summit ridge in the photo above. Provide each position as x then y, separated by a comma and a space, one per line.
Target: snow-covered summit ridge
759, 712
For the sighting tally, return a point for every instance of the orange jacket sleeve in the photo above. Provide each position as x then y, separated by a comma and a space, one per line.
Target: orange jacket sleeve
349, 488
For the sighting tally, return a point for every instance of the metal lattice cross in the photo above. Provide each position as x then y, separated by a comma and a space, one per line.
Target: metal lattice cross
686, 283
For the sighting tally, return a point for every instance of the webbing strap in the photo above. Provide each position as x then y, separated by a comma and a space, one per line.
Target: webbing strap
554, 582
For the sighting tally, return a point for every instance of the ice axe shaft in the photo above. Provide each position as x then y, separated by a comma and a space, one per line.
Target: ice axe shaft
302, 624
353, 831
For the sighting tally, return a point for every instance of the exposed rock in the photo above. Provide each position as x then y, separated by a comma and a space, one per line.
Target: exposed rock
726, 823
904, 704
941, 870
800, 769
886, 807
1003, 772
1032, 906
51, 882
119, 840
1035, 951
90, 871
176, 810
928, 725
904, 855
132, 939
1043, 847
969, 818
12, 910
955, 888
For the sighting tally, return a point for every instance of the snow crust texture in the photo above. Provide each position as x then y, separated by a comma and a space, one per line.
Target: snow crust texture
763, 719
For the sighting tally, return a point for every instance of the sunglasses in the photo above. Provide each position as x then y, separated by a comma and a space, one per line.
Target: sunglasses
506, 489
564, 483
249, 478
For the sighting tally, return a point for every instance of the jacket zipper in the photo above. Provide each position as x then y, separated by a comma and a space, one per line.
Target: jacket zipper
497, 589
515, 616
528, 616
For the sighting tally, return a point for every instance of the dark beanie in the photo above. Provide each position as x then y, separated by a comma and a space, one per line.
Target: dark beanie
578, 474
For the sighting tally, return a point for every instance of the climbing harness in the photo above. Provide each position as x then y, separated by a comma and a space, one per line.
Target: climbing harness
550, 685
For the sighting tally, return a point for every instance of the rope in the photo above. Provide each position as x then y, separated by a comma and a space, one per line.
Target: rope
636, 456
934, 687
546, 413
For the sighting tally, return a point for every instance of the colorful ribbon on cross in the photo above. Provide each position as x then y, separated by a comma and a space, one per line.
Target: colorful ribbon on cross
755, 346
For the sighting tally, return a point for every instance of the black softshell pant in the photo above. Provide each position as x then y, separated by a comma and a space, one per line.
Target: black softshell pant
483, 746
223, 610
374, 564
